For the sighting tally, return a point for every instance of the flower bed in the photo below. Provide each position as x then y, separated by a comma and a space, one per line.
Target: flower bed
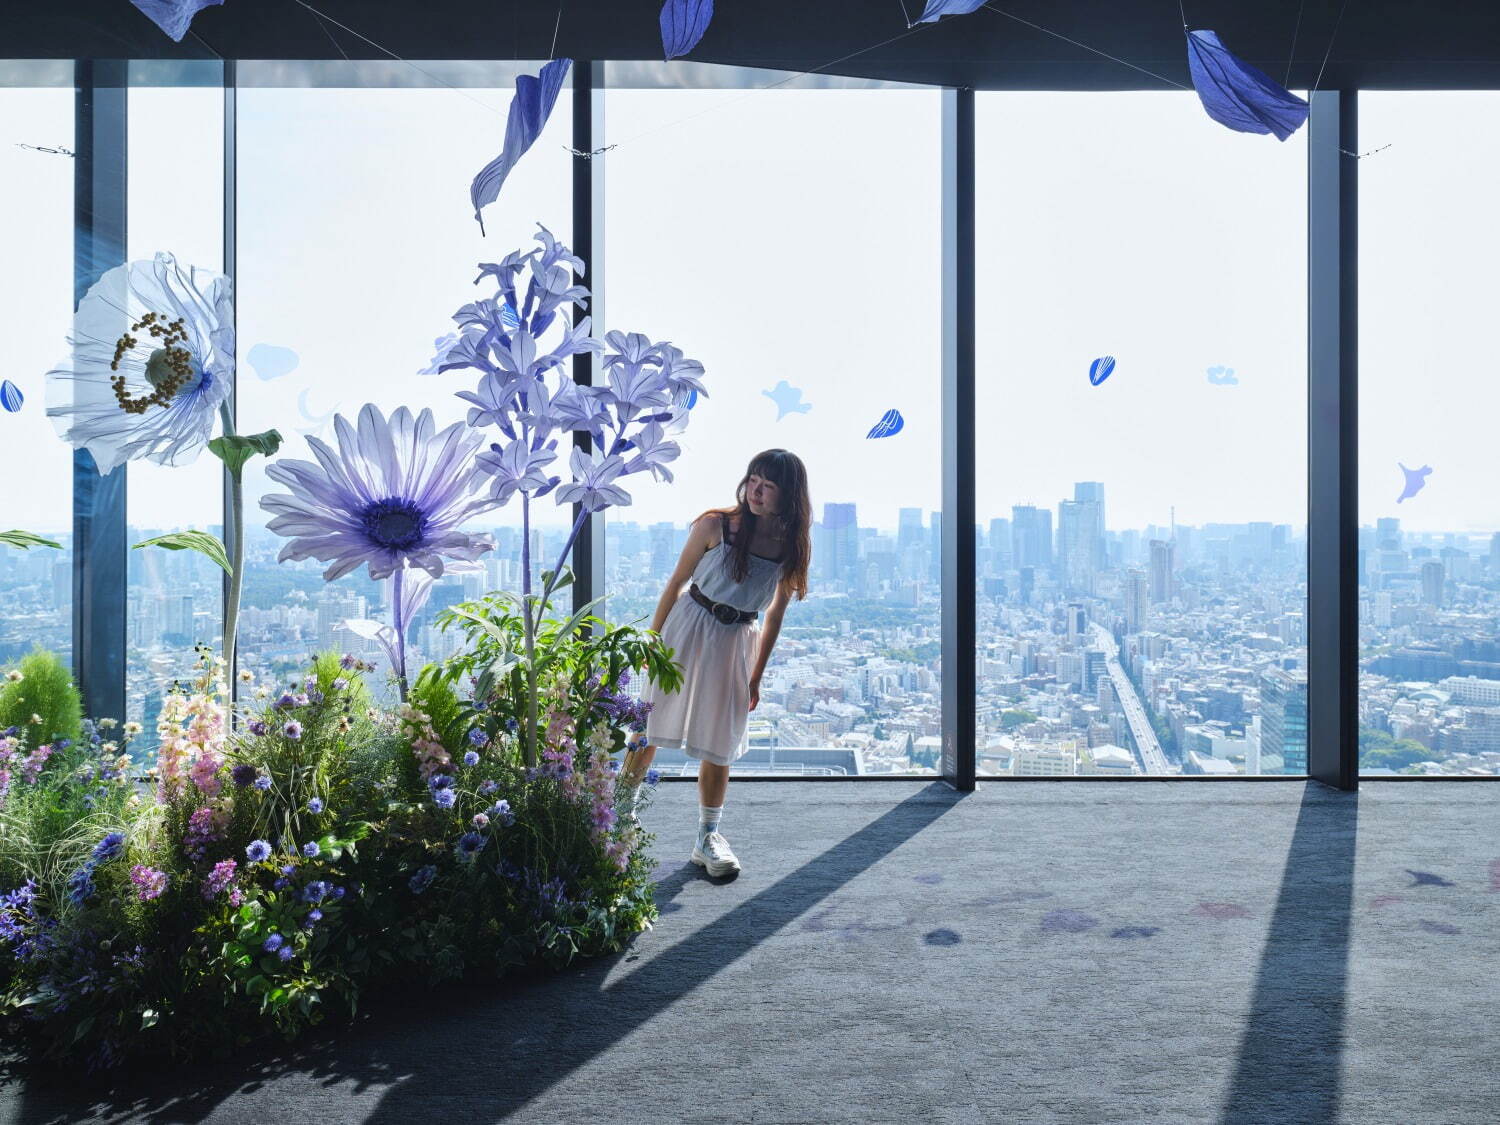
288, 855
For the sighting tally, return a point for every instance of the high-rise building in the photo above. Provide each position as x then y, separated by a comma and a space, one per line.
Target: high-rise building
1080, 542
1092, 492
841, 543
1135, 590
1095, 669
1432, 582
1283, 718
910, 532
1000, 544
1388, 534
935, 547
1161, 570
1495, 555
1031, 536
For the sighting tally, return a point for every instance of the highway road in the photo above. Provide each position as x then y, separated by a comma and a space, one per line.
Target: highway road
1149, 756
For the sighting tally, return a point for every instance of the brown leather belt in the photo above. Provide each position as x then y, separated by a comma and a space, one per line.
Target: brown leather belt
723, 612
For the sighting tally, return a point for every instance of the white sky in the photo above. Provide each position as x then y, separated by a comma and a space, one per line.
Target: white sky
794, 235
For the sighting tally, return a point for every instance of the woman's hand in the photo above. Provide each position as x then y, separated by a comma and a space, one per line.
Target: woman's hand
754, 692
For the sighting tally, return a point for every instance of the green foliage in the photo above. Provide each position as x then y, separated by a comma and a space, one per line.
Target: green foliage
25, 540
235, 449
200, 541
1017, 717
46, 689
1377, 750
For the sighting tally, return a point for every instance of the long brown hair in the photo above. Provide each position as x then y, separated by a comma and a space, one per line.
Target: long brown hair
785, 470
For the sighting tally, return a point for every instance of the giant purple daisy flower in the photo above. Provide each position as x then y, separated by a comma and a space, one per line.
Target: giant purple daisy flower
152, 360
393, 496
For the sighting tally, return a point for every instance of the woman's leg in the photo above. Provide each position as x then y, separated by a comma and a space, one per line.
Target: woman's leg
636, 763
713, 783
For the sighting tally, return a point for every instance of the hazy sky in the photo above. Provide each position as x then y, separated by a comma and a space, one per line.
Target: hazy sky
795, 235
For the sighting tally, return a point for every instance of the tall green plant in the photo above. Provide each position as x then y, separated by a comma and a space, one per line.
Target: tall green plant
41, 687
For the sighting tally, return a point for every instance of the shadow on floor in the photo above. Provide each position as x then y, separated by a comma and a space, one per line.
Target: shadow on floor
483, 1051
1292, 1048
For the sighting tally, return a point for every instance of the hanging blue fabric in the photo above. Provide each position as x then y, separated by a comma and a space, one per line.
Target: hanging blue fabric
173, 16
1237, 95
683, 23
529, 109
936, 9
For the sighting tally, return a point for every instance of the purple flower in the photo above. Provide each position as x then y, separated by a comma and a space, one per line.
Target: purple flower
348, 661
314, 916
243, 775
477, 737
257, 727
439, 781
592, 484
286, 953
179, 379
488, 785
292, 730
444, 798
316, 891
311, 849
392, 496
469, 844
653, 776
109, 847
315, 805
285, 701
281, 884
339, 684
258, 851
471, 758
423, 879
272, 943
263, 782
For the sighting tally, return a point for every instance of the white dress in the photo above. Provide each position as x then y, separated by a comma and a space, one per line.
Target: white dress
706, 717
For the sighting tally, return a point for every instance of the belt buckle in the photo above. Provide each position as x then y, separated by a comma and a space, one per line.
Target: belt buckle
725, 612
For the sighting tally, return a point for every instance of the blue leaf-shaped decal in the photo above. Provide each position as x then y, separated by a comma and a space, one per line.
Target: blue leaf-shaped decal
1101, 369
529, 109
692, 399
890, 423
272, 362
1236, 94
683, 23
788, 399
509, 317
173, 16
10, 396
936, 9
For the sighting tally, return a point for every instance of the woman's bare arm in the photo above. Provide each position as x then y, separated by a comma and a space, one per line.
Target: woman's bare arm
768, 634
703, 536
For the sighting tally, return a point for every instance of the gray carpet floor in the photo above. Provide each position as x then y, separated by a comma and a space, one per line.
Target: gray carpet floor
893, 952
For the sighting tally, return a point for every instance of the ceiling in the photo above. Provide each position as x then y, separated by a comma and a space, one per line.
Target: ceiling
1395, 44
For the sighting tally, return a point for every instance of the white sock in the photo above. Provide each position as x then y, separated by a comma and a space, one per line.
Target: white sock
708, 821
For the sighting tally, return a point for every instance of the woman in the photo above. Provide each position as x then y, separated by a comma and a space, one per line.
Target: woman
738, 562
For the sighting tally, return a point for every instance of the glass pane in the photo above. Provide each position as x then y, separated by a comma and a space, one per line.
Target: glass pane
36, 294
1142, 561
783, 239
357, 243
1429, 539
175, 199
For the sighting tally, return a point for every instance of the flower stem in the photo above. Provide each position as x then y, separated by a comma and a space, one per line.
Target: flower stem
237, 556
400, 625
528, 744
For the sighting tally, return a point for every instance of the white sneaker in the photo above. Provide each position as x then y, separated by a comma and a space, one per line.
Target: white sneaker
715, 855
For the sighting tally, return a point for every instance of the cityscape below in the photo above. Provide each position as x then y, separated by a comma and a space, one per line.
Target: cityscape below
1150, 651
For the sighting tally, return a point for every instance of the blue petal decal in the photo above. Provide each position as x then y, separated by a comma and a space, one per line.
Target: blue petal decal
173, 16
1237, 95
509, 317
692, 399
1101, 369
683, 23
890, 423
1416, 480
529, 109
1221, 376
788, 400
10, 396
936, 9
272, 362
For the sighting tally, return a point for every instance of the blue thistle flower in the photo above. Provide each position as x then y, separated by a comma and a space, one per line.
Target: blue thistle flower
258, 851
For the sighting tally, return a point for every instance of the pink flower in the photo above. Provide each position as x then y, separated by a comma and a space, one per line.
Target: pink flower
219, 878
149, 882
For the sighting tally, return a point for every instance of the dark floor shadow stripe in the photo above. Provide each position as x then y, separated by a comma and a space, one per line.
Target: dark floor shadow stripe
1288, 1069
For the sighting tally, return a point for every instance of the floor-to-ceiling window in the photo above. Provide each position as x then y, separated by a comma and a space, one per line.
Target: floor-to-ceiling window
357, 243
36, 303
174, 194
1142, 427
789, 238
1429, 537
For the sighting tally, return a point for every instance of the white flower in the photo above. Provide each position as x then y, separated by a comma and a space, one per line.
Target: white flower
14, 676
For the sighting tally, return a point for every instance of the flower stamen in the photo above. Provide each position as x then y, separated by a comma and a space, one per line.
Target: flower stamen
169, 368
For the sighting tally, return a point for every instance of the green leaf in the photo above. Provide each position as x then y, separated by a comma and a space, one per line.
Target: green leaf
235, 449
200, 541
26, 540
149, 1018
